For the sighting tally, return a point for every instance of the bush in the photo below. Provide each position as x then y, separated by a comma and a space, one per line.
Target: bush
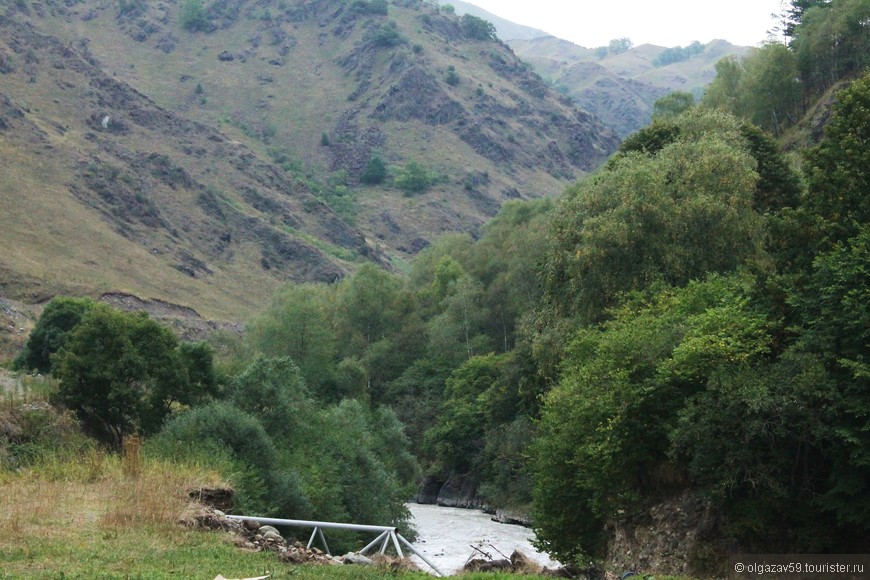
477, 28
192, 16
237, 439
375, 171
387, 36
414, 178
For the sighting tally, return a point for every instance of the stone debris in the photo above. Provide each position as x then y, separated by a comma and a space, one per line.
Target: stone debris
249, 535
520, 564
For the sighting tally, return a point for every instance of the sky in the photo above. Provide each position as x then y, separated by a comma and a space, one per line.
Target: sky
593, 23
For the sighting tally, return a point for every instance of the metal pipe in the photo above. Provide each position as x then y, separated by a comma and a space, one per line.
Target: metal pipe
312, 524
372, 545
311, 539
422, 557
386, 533
396, 545
322, 539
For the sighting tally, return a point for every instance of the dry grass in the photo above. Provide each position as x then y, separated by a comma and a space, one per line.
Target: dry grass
109, 516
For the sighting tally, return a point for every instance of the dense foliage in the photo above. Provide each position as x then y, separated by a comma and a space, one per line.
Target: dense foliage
692, 316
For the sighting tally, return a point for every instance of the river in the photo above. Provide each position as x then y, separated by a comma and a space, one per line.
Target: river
448, 536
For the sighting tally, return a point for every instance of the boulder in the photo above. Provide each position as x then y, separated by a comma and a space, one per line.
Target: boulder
354, 558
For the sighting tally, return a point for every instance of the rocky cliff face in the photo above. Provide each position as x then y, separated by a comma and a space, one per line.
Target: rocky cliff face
679, 536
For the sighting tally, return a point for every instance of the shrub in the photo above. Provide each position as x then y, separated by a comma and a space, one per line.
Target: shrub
387, 36
237, 440
192, 16
414, 178
375, 171
477, 28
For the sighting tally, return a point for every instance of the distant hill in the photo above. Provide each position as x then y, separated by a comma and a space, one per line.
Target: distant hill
621, 88
506, 29
204, 162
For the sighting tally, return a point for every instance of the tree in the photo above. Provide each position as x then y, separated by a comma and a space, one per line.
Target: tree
60, 316
223, 433
793, 17
458, 434
297, 325
413, 178
123, 373
673, 105
192, 16
274, 391
758, 438
722, 92
836, 170
619, 45
673, 216
769, 92
452, 78
831, 42
604, 430
477, 28
375, 171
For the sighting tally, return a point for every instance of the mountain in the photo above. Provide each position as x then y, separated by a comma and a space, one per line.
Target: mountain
506, 29
621, 87
201, 155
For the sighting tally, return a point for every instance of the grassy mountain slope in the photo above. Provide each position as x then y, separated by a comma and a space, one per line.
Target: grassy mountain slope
621, 88
204, 167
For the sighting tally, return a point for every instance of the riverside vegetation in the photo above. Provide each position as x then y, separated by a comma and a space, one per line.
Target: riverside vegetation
692, 317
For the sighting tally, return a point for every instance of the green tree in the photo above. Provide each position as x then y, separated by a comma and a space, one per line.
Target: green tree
759, 439
831, 42
619, 45
123, 373
604, 429
673, 105
836, 170
274, 391
769, 92
413, 178
387, 35
192, 16
220, 433
469, 394
375, 171
673, 216
59, 317
297, 324
452, 78
722, 93
477, 28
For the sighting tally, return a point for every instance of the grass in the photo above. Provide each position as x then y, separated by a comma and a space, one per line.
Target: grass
101, 515
94, 517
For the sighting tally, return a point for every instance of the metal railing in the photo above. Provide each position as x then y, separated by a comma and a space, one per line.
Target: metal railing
386, 535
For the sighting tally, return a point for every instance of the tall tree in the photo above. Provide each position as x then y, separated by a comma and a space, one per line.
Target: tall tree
672, 216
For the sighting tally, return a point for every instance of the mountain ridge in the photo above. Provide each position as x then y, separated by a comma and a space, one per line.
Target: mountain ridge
210, 166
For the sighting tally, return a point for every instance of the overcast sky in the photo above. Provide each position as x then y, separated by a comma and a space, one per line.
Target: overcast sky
593, 23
